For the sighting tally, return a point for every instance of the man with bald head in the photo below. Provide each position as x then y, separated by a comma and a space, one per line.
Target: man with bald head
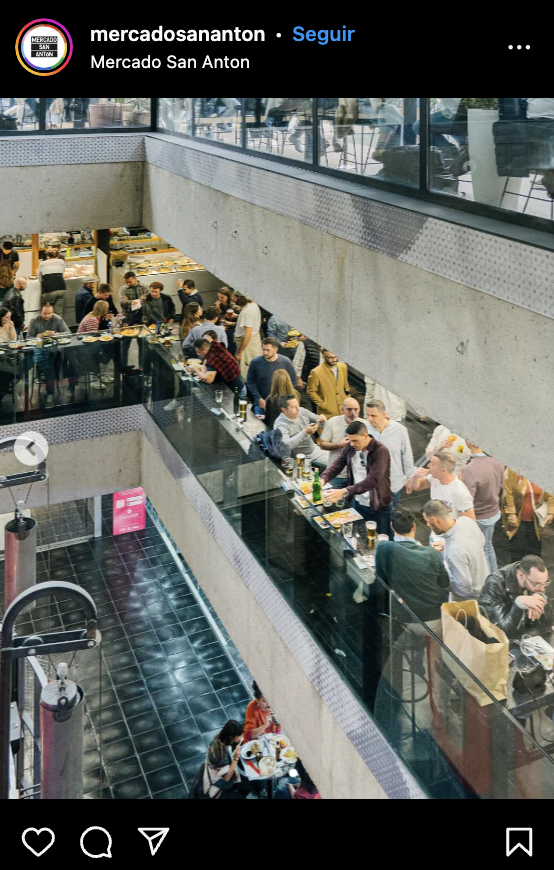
334, 438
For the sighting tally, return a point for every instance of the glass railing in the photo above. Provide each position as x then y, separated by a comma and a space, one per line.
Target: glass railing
69, 374
491, 155
441, 718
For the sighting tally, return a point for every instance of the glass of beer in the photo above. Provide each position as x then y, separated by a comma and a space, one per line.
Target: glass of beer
371, 528
300, 457
307, 469
288, 465
337, 525
243, 405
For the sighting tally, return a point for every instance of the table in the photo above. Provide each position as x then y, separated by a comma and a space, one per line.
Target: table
267, 748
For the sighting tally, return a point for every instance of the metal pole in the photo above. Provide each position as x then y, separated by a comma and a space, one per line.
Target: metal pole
62, 732
20, 542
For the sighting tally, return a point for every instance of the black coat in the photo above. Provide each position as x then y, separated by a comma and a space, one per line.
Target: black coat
14, 301
498, 600
168, 308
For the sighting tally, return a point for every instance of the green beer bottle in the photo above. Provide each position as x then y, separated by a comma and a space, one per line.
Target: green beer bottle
316, 488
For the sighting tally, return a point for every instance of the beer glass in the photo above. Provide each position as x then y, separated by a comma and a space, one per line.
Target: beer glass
371, 527
243, 405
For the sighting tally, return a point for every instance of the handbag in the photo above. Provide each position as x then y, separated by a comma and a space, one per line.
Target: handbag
540, 512
487, 662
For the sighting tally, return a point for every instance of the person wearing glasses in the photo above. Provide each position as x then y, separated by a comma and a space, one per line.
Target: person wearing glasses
514, 598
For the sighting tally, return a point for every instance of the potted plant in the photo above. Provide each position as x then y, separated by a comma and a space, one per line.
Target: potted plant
107, 112
488, 186
136, 112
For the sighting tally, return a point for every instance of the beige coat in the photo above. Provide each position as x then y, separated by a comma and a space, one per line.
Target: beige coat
512, 502
326, 392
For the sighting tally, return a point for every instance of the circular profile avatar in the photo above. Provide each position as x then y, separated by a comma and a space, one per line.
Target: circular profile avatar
44, 47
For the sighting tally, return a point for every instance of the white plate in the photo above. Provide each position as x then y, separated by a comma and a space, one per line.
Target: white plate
246, 751
289, 760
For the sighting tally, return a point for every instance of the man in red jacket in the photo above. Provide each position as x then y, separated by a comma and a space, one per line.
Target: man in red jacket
367, 463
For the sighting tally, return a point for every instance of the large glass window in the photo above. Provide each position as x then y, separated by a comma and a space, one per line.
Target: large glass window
19, 113
73, 113
281, 126
498, 151
371, 136
218, 119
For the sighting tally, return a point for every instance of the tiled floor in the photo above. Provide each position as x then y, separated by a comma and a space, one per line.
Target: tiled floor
168, 685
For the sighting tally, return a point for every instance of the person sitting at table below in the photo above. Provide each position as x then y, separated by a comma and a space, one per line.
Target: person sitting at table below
514, 598
259, 718
328, 385
188, 293
260, 372
444, 485
221, 778
91, 322
157, 306
281, 385
305, 790
333, 437
463, 543
130, 292
103, 294
297, 426
7, 329
14, 301
209, 322
219, 366
417, 574
46, 321
84, 295
367, 464
191, 317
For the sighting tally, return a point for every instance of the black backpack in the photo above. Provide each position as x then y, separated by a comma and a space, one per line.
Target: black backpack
272, 445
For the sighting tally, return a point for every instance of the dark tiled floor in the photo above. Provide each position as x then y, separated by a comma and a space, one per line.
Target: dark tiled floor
167, 683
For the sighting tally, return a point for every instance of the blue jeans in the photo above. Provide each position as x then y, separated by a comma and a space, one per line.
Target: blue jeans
382, 518
488, 531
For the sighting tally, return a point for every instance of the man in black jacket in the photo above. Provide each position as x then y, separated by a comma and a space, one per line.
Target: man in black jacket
14, 301
514, 598
103, 294
158, 306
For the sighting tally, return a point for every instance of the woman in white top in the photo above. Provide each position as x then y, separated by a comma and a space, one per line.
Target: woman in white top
7, 329
52, 282
247, 332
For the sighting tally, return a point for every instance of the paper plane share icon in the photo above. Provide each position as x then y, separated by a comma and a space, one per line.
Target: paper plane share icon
155, 837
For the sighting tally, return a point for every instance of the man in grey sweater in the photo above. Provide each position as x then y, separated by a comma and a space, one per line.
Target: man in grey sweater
46, 321
297, 426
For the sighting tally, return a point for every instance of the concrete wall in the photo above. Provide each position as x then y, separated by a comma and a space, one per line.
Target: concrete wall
79, 469
327, 752
480, 365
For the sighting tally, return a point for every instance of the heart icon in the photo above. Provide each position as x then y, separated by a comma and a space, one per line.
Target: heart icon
38, 832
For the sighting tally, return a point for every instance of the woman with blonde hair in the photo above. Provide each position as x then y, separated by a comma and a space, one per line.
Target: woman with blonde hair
191, 317
520, 499
91, 322
281, 385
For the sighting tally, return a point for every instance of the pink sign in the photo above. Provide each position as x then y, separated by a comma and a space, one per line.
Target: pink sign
129, 511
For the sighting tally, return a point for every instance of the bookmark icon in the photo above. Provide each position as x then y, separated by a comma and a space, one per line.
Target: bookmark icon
155, 837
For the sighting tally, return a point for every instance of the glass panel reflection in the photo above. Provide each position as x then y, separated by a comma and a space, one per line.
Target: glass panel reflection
282, 126
218, 119
499, 151
175, 114
371, 136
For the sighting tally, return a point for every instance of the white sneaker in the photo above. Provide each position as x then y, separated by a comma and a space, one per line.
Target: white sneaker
172, 406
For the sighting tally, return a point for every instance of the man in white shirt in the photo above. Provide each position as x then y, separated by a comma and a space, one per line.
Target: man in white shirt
247, 332
463, 544
297, 426
333, 437
395, 437
444, 485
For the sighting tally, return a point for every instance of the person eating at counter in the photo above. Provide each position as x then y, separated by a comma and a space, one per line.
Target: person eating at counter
84, 295
259, 719
514, 598
46, 321
219, 365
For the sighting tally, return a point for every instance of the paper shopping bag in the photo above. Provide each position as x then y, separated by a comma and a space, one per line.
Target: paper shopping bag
487, 662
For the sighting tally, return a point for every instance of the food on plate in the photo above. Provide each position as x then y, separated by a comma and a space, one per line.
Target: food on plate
195, 362
89, 339
130, 333
279, 740
267, 765
106, 338
289, 754
255, 747
64, 341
